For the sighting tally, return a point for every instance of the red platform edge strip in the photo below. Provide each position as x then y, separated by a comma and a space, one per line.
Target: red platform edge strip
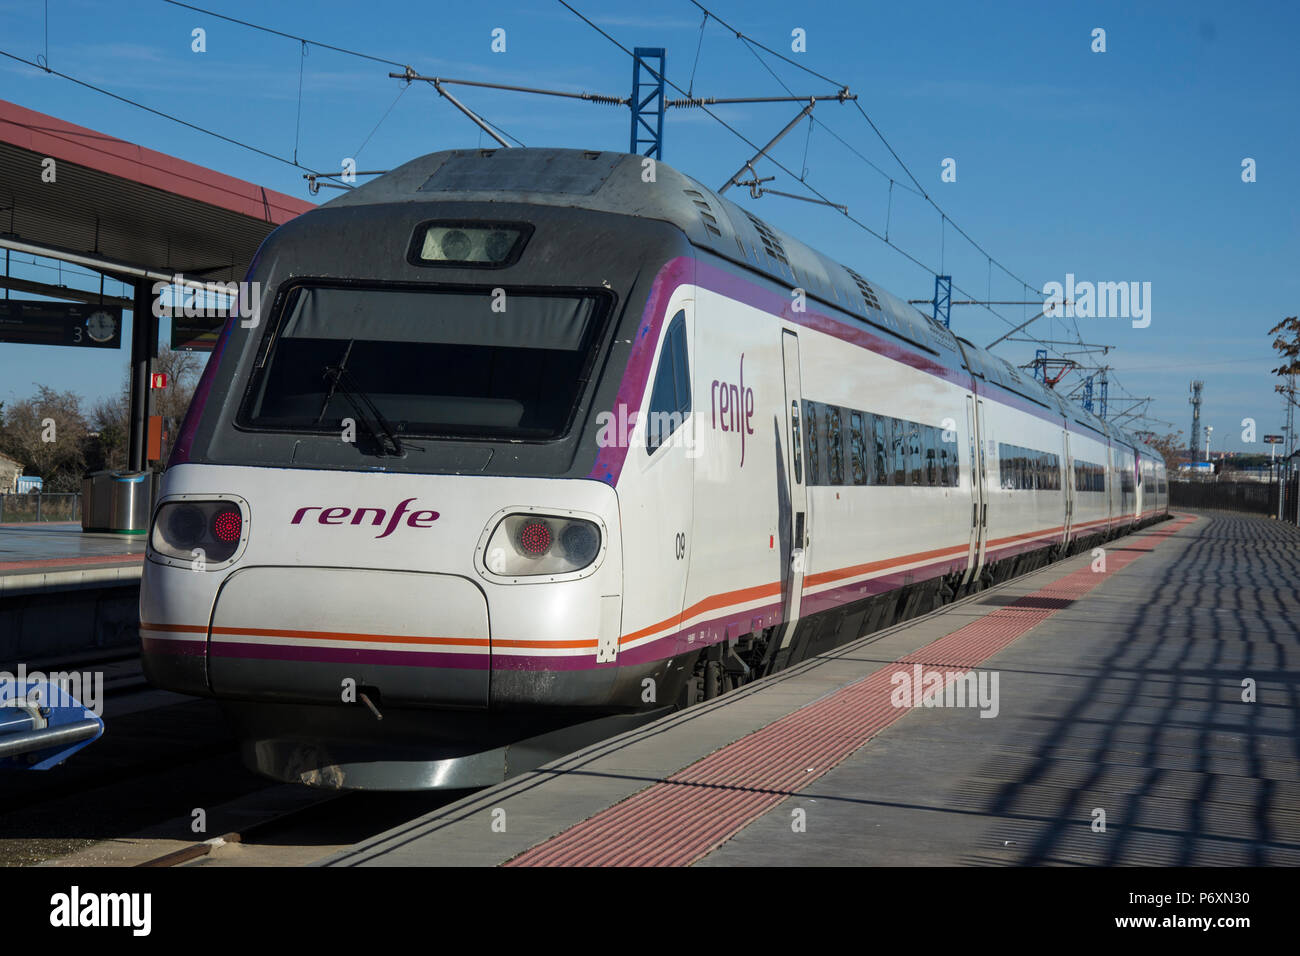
697, 809
70, 564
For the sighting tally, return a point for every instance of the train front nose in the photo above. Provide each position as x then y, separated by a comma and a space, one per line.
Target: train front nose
326, 635
401, 645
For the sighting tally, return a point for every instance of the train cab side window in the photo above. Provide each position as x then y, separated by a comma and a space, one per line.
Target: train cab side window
670, 398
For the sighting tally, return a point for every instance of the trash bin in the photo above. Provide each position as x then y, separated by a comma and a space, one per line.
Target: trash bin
132, 493
87, 503
96, 501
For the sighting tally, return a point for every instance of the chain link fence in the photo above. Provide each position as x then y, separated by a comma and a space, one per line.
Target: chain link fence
32, 507
1251, 497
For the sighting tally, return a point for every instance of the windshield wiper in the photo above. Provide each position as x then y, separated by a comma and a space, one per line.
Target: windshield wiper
368, 412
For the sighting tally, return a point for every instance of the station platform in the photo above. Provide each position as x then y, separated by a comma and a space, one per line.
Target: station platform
53, 556
1144, 714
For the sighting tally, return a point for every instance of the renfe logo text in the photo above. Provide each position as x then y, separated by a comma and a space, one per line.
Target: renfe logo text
733, 408
414, 519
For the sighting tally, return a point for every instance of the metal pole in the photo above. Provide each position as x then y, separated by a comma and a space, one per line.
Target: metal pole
437, 85
144, 337
1020, 326
775, 139
84, 259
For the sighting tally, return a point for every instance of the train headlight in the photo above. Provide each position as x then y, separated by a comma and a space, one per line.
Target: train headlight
197, 533
525, 545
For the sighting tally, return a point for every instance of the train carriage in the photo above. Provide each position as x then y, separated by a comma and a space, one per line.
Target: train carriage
522, 447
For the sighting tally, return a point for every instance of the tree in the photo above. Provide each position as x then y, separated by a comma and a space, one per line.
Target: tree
47, 433
112, 416
1170, 446
1287, 345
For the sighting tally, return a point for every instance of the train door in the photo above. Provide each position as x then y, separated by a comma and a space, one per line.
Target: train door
659, 538
981, 514
1067, 489
976, 495
1112, 477
795, 533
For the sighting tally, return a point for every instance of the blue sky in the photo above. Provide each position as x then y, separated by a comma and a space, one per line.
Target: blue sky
1115, 166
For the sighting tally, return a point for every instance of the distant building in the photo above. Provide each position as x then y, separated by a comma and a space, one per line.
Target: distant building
10, 470
26, 484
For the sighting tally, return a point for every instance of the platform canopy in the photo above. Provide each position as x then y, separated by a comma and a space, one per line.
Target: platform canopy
126, 204
72, 194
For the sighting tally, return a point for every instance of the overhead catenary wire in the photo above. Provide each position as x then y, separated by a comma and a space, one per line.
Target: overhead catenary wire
707, 14
303, 41
745, 139
165, 115
402, 92
281, 33
751, 42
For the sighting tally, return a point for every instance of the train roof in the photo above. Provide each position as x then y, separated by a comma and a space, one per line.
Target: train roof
613, 182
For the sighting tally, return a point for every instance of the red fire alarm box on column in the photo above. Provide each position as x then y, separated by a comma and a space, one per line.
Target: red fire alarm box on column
158, 380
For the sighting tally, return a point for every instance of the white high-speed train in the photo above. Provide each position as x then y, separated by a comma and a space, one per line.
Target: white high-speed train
524, 445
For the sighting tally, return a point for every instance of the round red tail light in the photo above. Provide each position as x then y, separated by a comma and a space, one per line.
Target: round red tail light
227, 526
535, 538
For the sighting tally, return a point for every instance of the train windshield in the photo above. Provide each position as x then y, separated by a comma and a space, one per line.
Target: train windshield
482, 364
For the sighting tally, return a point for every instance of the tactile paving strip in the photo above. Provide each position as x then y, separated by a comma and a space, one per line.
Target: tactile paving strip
697, 809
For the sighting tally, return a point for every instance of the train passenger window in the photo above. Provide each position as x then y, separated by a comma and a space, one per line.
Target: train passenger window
898, 445
879, 441
797, 453
857, 448
811, 417
916, 476
948, 436
670, 398
834, 445
930, 443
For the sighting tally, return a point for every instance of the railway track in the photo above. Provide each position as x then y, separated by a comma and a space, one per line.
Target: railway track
131, 797
311, 828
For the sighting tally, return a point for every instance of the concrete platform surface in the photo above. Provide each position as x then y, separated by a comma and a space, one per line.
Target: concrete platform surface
58, 556
1148, 714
